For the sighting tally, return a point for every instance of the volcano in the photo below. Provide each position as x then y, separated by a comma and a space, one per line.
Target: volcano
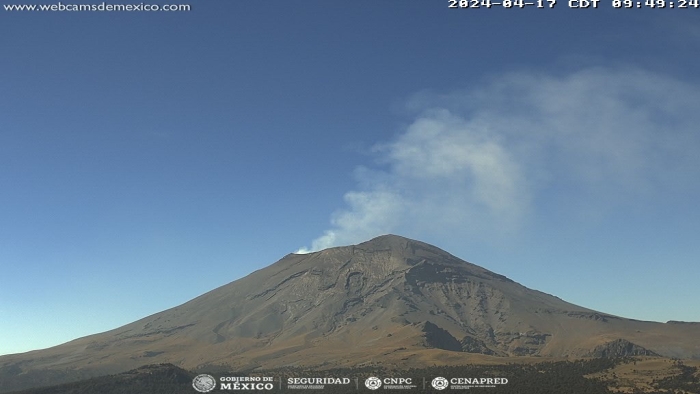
390, 300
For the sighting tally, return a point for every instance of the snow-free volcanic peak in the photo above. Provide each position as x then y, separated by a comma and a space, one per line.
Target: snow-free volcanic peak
390, 300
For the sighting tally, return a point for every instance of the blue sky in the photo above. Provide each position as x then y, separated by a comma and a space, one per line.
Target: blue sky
146, 158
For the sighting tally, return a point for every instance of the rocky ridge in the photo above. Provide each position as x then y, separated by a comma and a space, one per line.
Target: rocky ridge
390, 299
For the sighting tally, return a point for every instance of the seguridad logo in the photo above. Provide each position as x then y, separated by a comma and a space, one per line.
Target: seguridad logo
316, 383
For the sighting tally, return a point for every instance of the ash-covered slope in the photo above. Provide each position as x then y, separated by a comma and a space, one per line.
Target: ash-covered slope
385, 300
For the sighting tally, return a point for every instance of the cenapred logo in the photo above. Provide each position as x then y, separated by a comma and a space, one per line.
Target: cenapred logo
204, 383
439, 383
373, 383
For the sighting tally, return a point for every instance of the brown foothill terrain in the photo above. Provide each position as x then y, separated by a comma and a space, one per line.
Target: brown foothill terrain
390, 300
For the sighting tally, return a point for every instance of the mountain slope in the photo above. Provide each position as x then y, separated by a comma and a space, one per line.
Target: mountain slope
390, 299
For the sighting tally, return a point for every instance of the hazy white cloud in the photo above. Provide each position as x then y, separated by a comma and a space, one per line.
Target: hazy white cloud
444, 151
484, 160
370, 213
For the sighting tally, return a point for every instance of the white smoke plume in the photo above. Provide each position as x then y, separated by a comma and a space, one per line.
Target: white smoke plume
484, 161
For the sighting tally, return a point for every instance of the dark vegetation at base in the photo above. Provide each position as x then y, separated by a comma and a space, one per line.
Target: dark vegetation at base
149, 379
543, 378
686, 380
13, 378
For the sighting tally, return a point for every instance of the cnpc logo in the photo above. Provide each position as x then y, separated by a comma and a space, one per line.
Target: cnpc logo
373, 383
